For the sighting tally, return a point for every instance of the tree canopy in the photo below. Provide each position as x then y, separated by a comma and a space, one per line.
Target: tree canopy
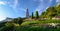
51, 12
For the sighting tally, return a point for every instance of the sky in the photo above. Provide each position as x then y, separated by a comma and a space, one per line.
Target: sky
17, 8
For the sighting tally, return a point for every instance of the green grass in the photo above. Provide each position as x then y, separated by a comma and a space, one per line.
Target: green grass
29, 23
39, 22
36, 28
25, 27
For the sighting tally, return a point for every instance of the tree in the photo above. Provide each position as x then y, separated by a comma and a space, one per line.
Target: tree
32, 15
37, 14
15, 20
51, 12
18, 20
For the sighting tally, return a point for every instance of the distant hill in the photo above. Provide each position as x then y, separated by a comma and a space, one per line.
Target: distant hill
51, 12
7, 19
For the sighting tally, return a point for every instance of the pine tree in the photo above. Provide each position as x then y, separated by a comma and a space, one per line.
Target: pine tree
18, 20
37, 14
32, 15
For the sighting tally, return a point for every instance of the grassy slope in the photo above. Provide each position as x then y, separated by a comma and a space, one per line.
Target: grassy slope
39, 22
35, 28
38, 28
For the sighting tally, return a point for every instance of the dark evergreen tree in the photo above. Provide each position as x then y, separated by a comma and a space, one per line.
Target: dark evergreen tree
37, 14
32, 15
18, 20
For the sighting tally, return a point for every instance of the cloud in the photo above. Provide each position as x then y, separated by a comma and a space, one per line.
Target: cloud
2, 3
15, 4
38, 0
2, 15
57, 0
43, 4
12, 3
15, 7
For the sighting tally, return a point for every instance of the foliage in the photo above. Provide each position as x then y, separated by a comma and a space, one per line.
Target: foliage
18, 20
39, 22
37, 14
37, 28
6, 28
32, 15
51, 12
24, 26
18, 25
10, 28
2, 24
8, 24
15, 20
29, 23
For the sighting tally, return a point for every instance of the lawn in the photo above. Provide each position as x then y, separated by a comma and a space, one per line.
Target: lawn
36, 28
39, 22
34, 25
25, 25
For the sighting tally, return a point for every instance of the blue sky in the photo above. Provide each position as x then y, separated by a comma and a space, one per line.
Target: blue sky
17, 8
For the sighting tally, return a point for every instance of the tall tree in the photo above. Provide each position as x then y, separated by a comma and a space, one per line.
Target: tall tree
37, 14
18, 20
32, 15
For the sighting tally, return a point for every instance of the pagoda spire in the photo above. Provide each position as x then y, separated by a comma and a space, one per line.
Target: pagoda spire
27, 13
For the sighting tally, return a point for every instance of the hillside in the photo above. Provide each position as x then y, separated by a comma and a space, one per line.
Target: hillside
18, 24
51, 12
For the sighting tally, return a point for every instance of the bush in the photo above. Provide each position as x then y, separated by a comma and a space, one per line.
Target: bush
29, 23
5, 28
18, 20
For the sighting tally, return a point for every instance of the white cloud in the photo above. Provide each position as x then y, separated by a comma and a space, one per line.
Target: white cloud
2, 15
2, 3
57, 0
39, 7
42, 4
46, 8
15, 4
12, 3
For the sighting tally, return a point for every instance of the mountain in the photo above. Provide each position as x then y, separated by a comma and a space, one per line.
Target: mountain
7, 19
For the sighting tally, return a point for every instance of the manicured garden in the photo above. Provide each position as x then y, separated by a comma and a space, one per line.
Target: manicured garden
36, 28
39, 22
33, 25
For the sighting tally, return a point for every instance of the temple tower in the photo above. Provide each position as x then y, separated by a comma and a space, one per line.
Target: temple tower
27, 13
